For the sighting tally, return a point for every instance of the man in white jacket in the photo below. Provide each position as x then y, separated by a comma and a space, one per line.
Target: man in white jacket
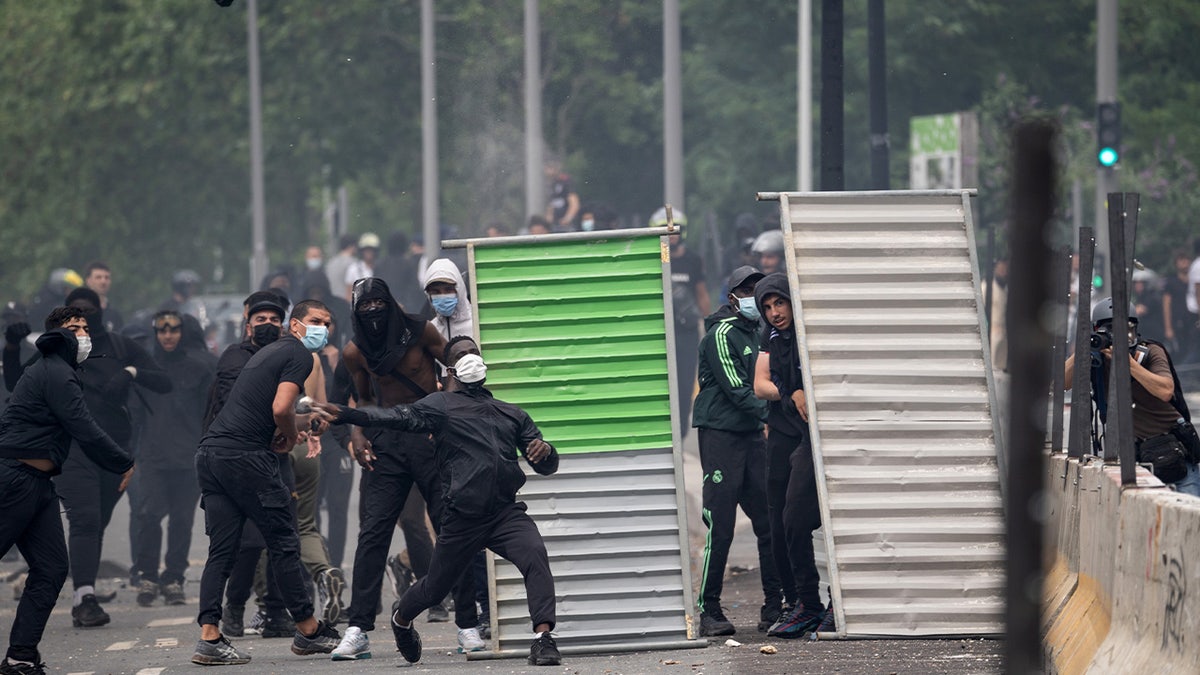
447, 292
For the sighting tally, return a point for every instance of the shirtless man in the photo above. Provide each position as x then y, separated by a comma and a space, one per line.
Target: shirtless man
392, 361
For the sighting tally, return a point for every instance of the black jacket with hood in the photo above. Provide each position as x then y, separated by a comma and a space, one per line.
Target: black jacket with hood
47, 410
784, 352
478, 441
174, 422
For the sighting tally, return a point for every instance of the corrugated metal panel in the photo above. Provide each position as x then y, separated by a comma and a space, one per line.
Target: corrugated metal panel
574, 332
887, 306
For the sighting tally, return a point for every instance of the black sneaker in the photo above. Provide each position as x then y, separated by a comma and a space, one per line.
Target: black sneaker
173, 594
402, 575
278, 625
22, 668
325, 640
485, 629
221, 654
768, 615
828, 620
231, 621
544, 651
713, 622
408, 641
330, 584
799, 623
147, 593
88, 613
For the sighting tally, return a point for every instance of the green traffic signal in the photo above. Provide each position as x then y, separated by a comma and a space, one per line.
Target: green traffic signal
1097, 281
1108, 157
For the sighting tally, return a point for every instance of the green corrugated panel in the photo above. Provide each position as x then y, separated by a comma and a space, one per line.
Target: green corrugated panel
573, 332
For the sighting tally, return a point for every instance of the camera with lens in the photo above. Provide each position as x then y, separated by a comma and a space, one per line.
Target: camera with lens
1101, 340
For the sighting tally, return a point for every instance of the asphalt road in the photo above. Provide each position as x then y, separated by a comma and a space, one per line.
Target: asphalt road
159, 640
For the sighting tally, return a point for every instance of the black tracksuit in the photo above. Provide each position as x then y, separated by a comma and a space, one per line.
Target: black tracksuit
88, 492
477, 439
46, 412
792, 499
167, 465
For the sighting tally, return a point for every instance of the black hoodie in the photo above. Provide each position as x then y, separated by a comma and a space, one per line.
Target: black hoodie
784, 353
47, 410
173, 422
385, 340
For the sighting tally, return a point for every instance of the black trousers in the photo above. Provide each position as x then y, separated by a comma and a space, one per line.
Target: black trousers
236, 486
171, 494
735, 474
416, 532
31, 522
404, 460
509, 533
795, 511
89, 495
245, 566
337, 478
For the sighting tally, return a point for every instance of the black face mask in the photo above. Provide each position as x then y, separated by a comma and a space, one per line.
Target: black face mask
375, 319
264, 334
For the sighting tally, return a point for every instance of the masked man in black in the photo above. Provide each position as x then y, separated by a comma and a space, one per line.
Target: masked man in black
47, 411
88, 493
392, 359
478, 439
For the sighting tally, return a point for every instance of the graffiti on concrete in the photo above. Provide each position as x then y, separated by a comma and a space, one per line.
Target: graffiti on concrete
1173, 628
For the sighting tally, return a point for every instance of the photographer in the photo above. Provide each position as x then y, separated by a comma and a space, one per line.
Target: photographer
1164, 435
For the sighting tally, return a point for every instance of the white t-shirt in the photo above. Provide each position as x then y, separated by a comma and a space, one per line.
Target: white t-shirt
358, 270
1193, 279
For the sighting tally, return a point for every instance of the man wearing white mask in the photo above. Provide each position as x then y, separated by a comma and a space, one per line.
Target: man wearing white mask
444, 286
478, 440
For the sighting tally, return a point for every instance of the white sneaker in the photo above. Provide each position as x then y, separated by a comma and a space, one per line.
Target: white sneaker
354, 645
469, 640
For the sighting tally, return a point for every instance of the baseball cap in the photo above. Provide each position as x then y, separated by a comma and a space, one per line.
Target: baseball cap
368, 240
746, 274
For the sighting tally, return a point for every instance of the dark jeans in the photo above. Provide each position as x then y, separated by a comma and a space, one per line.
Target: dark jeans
171, 494
236, 486
404, 460
337, 478
89, 495
795, 512
31, 521
735, 474
511, 534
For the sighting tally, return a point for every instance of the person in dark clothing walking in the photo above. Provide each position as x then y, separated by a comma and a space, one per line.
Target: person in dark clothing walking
167, 453
89, 494
733, 453
240, 480
477, 439
792, 501
46, 412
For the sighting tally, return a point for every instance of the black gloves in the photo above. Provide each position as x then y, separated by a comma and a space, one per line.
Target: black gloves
15, 332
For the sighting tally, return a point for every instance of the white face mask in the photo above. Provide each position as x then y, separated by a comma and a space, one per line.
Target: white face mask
470, 368
312, 263
85, 348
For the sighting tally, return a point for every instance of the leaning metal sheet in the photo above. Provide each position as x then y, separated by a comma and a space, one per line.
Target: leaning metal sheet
886, 296
574, 332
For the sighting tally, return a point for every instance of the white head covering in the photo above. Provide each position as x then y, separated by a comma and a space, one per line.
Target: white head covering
462, 321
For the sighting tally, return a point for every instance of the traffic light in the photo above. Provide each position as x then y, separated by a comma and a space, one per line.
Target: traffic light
1099, 270
1108, 134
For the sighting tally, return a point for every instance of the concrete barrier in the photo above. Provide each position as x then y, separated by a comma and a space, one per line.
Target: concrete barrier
1122, 563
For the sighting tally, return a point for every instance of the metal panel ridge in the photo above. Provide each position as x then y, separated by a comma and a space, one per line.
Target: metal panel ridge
900, 400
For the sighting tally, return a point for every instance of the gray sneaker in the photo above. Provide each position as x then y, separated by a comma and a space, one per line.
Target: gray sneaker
221, 654
325, 640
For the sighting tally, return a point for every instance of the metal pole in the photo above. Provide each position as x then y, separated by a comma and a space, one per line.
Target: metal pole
833, 141
877, 67
535, 197
672, 107
1122, 208
258, 259
1106, 92
1029, 347
1079, 441
1062, 282
804, 169
431, 216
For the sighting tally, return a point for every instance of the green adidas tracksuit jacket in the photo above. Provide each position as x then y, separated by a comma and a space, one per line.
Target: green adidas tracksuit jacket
728, 351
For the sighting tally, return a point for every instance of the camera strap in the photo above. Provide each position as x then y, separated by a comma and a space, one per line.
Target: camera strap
1177, 400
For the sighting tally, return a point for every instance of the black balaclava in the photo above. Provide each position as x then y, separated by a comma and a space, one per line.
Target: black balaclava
95, 320
385, 335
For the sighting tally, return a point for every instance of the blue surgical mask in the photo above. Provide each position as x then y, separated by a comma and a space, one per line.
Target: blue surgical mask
587, 225
444, 304
748, 308
315, 337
